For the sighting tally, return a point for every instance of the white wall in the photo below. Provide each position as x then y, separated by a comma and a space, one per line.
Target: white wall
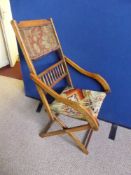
9, 36
3, 54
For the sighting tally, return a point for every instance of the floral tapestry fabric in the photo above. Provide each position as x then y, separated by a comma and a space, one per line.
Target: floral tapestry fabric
92, 100
39, 40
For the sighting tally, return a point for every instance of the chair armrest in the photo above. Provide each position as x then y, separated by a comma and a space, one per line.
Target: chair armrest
95, 76
91, 119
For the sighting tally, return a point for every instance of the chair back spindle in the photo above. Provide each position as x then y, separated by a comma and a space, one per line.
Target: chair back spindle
54, 74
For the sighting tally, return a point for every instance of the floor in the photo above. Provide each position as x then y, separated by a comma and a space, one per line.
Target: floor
13, 72
29, 160
23, 152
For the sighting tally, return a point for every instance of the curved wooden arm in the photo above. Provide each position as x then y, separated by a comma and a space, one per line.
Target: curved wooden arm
95, 76
92, 120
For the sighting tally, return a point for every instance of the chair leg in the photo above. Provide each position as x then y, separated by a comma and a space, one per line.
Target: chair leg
42, 133
76, 140
78, 143
66, 130
88, 137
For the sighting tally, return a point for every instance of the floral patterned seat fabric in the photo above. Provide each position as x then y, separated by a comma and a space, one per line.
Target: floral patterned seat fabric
92, 100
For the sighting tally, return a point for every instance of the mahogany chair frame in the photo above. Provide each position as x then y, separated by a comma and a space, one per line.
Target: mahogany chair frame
51, 79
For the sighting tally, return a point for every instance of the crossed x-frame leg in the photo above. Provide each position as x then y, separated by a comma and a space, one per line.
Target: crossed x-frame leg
69, 131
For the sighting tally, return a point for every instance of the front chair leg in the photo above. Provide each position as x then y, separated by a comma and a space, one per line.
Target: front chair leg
66, 130
76, 140
78, 143
44, 131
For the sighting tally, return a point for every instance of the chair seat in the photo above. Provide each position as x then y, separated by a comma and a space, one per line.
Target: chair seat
92, 100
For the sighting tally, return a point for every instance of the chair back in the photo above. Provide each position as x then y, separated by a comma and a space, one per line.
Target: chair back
38, 38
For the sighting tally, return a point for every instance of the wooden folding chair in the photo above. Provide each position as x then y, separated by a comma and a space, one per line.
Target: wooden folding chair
38, 38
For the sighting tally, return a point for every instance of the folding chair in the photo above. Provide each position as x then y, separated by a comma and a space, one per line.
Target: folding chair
38, 38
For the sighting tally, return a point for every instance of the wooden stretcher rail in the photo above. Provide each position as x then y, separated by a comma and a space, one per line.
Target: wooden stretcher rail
61, 132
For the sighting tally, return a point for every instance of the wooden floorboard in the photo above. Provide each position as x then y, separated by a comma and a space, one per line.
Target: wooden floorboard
14, 72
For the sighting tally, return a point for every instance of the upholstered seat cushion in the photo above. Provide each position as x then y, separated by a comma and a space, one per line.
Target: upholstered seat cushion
92, 100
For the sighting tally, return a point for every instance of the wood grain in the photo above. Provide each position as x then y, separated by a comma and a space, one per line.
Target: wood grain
92, 120
33, 23
95, 76
47, 79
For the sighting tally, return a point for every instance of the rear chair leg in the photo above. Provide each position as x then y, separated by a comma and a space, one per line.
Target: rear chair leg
87, 137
